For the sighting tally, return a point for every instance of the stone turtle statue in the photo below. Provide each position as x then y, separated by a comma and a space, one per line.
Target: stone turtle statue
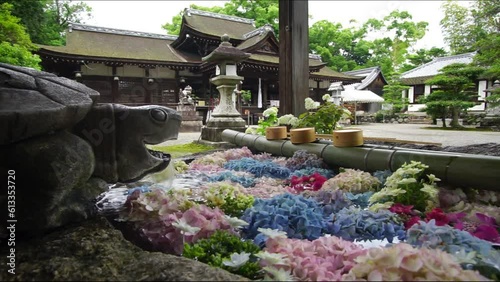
63, 147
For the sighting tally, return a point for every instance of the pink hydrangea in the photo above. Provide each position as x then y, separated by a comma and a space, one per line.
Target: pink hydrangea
165, 237
324, 259
402, 262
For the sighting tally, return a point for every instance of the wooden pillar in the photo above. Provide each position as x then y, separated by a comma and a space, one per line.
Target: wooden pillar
318, 96
294, 56
114, 86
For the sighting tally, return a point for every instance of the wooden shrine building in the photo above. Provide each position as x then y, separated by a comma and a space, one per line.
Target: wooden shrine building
136, 68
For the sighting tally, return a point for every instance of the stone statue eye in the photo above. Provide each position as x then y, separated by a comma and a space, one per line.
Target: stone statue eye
158, 115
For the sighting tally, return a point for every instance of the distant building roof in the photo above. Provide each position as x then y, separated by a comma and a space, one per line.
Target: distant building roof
100, 43
217, 24
368, 74
327, 73
419, 74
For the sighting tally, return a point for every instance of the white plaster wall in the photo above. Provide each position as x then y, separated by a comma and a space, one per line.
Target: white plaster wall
415, 107
427, 90
162, 73
481, 87
410, 94
131, 71
96, 69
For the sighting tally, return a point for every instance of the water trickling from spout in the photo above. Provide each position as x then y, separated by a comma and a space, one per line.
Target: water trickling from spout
112, 202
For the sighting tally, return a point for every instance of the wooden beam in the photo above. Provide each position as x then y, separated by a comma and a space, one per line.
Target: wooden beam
294, 56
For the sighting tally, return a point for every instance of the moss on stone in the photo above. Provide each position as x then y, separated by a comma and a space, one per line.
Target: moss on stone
96, 251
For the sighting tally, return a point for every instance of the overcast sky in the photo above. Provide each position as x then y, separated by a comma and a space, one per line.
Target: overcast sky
149, 16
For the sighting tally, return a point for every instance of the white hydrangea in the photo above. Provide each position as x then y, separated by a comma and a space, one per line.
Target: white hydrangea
346, 113
326, 97
270, 111
237, 260
252, 129
288, 119
310, 104
294, 122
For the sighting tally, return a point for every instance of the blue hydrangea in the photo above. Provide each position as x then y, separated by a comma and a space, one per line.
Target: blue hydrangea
327, 173
258, 168
331, 201
447, 238
303, 159
382, 175
228, 175
360, 199
299, 217
356, 224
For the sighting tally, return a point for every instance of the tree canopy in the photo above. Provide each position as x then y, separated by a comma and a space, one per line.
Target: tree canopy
15, 46
46, 20
456, 90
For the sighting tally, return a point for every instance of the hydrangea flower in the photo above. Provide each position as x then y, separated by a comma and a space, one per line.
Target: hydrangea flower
355, 224
259, 169
409, 185
352, 180
288, 119
297, 216
184, 227
270, 111
323, 259
402, 262
310, 104
325, 172
244, 179
302, 159
237, 260
449, 239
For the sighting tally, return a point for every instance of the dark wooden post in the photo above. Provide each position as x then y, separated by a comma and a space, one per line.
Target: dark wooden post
294, 56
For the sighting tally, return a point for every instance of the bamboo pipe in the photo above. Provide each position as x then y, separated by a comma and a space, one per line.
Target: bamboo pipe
457, 169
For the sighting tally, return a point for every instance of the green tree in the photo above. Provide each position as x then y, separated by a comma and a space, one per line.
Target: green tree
46, 20
343, 49
393, 94
15, 46
456, 89
457, 27
400, 33
262, 11
485, 14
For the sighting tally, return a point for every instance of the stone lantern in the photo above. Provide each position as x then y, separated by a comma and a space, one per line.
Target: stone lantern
225, 115
336, 88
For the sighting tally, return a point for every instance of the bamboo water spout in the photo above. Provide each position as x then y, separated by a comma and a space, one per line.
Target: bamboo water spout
457, 169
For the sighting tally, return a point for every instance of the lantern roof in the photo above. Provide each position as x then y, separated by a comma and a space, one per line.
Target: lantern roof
226, 52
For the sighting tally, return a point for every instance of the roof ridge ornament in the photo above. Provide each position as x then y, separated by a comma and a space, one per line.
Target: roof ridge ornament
78, 26
259, 31
191, 11
315, 57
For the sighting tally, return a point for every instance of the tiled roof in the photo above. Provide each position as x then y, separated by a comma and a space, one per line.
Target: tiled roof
432, 68
91, 41
77, 26
251, 41
368, 74
328, 72
217, 24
